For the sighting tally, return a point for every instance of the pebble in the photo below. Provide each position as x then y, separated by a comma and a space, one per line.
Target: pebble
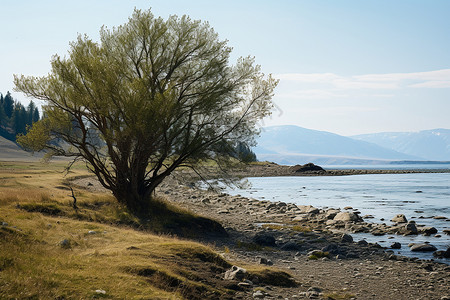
258, 294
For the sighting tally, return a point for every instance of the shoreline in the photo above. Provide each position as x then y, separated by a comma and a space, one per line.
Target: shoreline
325, 263
269, 169
286, 235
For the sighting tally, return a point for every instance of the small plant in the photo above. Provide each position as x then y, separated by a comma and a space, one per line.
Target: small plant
300, 228
273, 226
318, 254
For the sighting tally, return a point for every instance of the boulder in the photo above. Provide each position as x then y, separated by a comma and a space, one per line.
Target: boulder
410, 228
331, 213
396, 245
264, 239
347, 217
363, 243
442, 254
306, 168
291, 246
308, 209
346, 238
265, 261
423, 248
235, 273
428, 230
400, 218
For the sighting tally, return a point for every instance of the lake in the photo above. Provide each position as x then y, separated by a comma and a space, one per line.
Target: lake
419, 196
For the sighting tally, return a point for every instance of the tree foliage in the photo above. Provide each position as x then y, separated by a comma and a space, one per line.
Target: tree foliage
151, 96
15, 118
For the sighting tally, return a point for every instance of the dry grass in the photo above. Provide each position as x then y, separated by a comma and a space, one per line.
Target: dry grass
102, 255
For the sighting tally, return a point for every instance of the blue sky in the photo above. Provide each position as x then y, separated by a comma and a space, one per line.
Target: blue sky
347, 67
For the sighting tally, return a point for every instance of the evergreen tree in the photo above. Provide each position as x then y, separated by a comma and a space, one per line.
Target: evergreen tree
36, 115
2, 112
30, 111
8, 104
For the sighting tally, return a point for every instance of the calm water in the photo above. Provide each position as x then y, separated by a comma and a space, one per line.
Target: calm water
418, 196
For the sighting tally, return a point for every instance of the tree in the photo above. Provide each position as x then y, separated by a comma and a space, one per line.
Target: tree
159, 94
35, 115
8, 104
3, 120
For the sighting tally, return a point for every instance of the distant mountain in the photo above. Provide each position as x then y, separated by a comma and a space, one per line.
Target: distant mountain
290, 144
430, 144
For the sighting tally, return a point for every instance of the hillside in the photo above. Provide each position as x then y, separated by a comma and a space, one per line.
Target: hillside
430, 144
10, 151
296, 145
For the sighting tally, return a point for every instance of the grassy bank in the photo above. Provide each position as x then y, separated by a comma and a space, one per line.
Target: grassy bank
51, 250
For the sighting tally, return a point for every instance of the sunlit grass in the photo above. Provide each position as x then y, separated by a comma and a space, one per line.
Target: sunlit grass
50, 250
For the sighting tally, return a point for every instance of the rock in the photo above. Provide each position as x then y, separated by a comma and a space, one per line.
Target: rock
331, 248
368, 217
396, 245
410, 228
291, 246
377, 232
313, 293
300, 219
235, 273
347, 217
362, 243
440, 218
346, 238
331, 213
423, 248
265, 261
245, 284
427, 230
306, 168
264, 239
308, 209
446, 231
258, 294
65, 244
400, 218
348, 208
442, 254
316, 254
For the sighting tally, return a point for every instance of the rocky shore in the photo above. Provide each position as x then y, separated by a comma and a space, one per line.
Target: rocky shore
315, 246
269, 169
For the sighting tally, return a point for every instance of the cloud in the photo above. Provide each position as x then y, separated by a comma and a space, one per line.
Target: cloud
389, 81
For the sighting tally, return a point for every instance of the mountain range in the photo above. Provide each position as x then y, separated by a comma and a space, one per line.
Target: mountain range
428, 144
290, 144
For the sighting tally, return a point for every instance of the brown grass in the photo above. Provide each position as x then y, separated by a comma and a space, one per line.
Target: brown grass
102, 252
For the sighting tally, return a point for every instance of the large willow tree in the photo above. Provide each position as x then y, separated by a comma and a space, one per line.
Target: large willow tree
151, 96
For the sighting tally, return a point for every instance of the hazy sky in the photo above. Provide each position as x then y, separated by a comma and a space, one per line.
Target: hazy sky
347, 67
